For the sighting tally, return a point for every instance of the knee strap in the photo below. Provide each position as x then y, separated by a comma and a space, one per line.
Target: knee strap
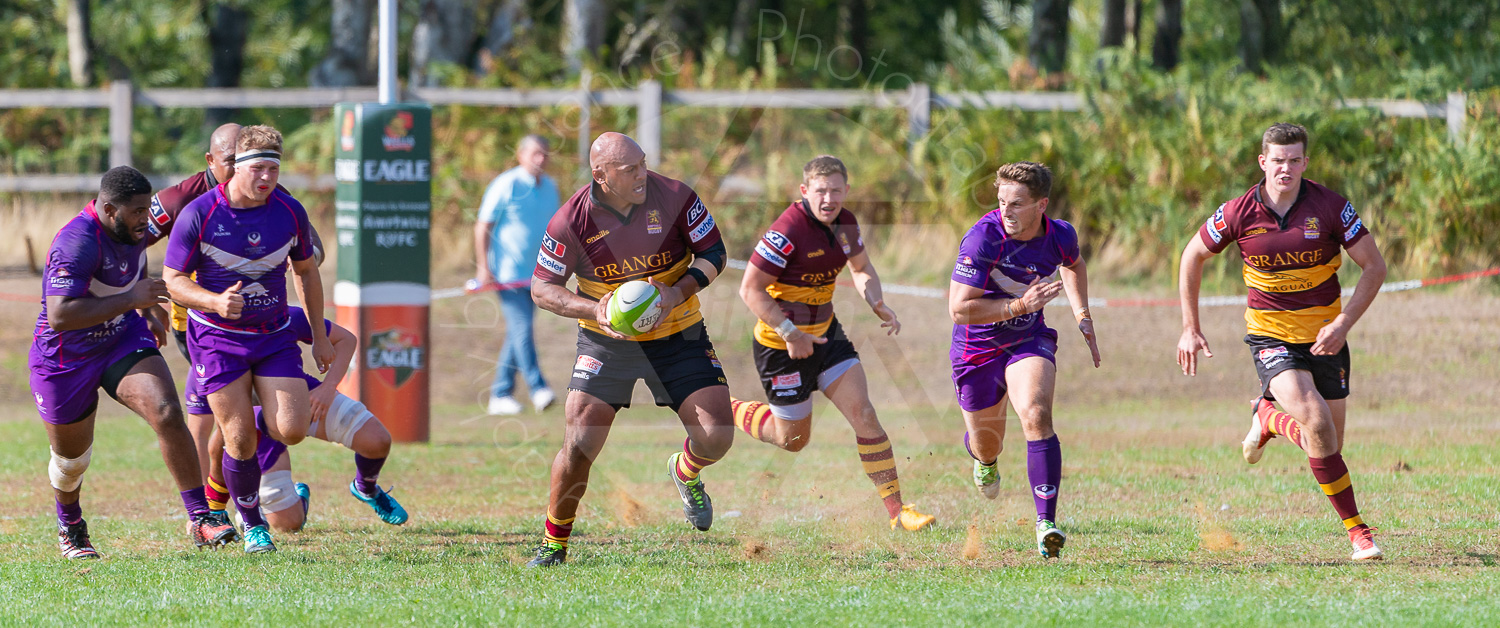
67, 473
345, 417
278, 492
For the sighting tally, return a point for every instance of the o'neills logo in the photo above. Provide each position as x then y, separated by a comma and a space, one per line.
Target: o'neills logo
398, 132
395, 356
346, 134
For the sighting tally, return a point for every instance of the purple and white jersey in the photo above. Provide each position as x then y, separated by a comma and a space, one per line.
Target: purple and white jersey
1003, 268
225, 245
84, 261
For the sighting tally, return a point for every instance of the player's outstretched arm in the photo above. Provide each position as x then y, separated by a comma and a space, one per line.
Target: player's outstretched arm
868, 283
309, 285
68, 313
799, 344
1075, 279
967, 305
1189, 282
1366, 253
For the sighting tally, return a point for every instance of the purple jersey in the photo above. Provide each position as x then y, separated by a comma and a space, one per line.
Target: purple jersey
1003, 267
85, 262
225, 245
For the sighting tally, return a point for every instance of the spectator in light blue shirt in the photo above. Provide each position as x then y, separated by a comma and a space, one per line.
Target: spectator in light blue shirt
512, 219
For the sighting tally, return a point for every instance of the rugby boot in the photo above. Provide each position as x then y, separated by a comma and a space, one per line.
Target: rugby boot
1363, 539
385, 506
73, 540
910, 519
696, 505
258, 540
549, 554
1049, 539
305, 494
986, 479
1260, 432
211, 529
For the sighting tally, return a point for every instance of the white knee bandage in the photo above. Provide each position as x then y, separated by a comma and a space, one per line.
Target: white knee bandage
345, 417
67, 473
277, 491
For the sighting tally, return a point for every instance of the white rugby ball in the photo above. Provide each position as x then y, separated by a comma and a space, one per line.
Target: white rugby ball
634, 308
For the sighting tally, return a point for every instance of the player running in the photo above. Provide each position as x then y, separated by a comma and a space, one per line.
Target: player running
1002, 348
238, 238
1290, 231
335, 418
628, 224
800, 346
100, 327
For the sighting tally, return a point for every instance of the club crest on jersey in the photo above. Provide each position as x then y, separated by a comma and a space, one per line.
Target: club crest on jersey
1217, 225
702, 230
199, 368
1310, 229
653, 222
782, 382
254, 238
557, 248
1045, 491
696, 212
779, 242
1271, 356
588, 363
844, 242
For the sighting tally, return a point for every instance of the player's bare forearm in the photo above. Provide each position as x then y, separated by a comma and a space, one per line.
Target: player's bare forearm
188, 293
1075, 280
344, 346
753, 293
1190, 281
560, 301
688, 285
866, 279
68, 313
309, 285
1372, 275
967, 307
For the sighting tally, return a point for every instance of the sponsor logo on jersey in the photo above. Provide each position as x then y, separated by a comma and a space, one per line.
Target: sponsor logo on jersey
1310, 229
588, 363
219, 229
546, 261
782, 382
1256, 231
61, 280
1353, 229
1348, 216
785, 393
713, 358
965, 270
701, 231
697, 211
817, 253
764, 250
155, 230
159, 214
398, 132
1045, 491
1216, 225
592, 239
558, 249
653, 222
779, 242
1272, 355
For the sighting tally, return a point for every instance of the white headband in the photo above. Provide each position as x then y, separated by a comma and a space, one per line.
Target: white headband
256, 155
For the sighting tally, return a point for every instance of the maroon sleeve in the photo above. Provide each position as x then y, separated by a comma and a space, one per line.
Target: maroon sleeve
850, 238
558, 257
1219, 230
168, 203
774, 249
698, 223
1351, 227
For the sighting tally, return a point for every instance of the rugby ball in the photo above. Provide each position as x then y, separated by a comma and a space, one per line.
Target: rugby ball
634, 308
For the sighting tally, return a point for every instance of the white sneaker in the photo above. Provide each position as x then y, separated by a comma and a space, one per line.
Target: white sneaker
506, 405
542, 399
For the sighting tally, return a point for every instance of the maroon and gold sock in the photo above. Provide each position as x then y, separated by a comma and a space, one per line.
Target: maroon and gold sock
751, 417
558, 530
879, 461
217, 494
1282, 424
690, 464
1333, 478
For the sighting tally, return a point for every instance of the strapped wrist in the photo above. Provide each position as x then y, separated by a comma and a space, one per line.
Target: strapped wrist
786, 328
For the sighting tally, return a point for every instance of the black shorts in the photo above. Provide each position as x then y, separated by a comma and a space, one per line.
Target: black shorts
674, 367
1330, 373
789, 382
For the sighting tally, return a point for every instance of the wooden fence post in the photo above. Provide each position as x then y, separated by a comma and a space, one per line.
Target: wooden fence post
585, 103
648, 121
121, 119
918, 116
1457, 115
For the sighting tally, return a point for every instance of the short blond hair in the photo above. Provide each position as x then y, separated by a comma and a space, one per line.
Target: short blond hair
258, 137
1036, 177
822, 166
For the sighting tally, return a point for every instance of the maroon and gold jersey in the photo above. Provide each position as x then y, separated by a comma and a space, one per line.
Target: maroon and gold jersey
804, 255
167, 203
658, 238
1291, 261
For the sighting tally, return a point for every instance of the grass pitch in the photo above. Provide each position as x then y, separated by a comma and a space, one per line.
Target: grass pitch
1166, 524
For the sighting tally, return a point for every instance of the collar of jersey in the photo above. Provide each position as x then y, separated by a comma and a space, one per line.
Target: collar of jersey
1281, 221
597, 201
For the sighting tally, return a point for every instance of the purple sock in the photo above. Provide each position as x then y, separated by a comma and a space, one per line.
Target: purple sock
971, 451
366, 471
243, 479
70, 513
1044, 468
195, 502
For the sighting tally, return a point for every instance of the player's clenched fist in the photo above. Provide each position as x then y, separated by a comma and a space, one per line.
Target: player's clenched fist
147, 292
230, 301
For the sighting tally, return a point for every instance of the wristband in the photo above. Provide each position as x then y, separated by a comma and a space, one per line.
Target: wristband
786, 328
1083, 315
1010, 308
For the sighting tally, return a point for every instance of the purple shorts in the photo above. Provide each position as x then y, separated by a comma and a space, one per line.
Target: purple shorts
64, 392
197, 403
220, 357
982, 385
267, 450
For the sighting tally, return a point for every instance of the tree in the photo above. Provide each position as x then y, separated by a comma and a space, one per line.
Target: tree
80, 46
1262, 33
444, 32
348, 61
1166, 45
1048, 42
228, 28
583, 30
739, 27
1112, 33
510, 19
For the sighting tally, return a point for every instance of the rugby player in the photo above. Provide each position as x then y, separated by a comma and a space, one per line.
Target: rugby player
1002, 348
1290, 233
800, 346
336, 419
100, 327
239, 238
629, 224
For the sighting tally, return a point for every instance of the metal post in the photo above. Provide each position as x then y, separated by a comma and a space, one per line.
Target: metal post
918, 115
1458, 113
585, 103
648, 121
388, 52
121, 119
